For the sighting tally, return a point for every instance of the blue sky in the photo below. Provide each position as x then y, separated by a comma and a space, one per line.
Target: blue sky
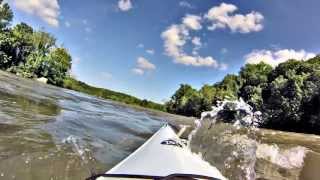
146, 48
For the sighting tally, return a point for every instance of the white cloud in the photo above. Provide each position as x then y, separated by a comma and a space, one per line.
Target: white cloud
137, 71
222, 17
106, 75
150, 51
145, 64
67, 24
196, 41
185, 4
175, 37
192, 21
124, 5
276, 57
47, 10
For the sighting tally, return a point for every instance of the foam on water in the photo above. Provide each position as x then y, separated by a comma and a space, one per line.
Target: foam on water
76, 146
239, 152
289, 158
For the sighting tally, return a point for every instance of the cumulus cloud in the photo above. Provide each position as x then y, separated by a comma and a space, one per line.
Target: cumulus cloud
175, 37
197, 41
143, 65
192, 21
223, 16
47, 10
124, 5
276, 57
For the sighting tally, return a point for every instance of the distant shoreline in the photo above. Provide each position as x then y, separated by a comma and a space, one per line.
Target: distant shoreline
173, 119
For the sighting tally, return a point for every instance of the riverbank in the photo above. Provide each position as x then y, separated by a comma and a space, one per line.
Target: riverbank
173, 119
48, 131
73, 84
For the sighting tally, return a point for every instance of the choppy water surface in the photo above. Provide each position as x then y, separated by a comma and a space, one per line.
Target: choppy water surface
242, 151
53, 133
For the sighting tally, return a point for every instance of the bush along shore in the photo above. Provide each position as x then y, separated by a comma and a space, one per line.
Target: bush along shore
35, 54
288, 96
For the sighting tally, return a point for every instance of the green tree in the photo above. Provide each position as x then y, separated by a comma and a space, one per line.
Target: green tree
291, 99
42, 44
254, 77
7, 50
22, 34
6, 15
208, 95
179, 102
55, 66
228, 87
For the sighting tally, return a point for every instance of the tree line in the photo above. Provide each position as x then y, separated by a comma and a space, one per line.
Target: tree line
32, 53
288, 95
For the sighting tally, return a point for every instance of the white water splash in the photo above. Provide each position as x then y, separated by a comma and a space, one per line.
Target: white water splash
240, 151
75, 142
289, 158
244, 117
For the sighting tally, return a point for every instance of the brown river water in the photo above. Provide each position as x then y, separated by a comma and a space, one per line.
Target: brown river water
52, 133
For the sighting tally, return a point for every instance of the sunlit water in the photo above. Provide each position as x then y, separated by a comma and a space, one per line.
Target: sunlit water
53, 133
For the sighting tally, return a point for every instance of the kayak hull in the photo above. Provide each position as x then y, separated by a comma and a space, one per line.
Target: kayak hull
163, 155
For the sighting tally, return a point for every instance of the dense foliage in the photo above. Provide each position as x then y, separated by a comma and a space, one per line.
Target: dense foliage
35, 54
30, 53
288, 95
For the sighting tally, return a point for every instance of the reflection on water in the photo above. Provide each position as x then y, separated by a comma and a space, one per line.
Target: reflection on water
52, 133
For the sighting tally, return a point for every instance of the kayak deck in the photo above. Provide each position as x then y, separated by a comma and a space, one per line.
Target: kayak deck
162, 155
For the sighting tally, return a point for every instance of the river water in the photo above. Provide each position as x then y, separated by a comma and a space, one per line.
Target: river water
52, 133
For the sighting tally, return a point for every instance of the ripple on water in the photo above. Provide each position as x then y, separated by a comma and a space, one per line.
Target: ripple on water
47, 132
